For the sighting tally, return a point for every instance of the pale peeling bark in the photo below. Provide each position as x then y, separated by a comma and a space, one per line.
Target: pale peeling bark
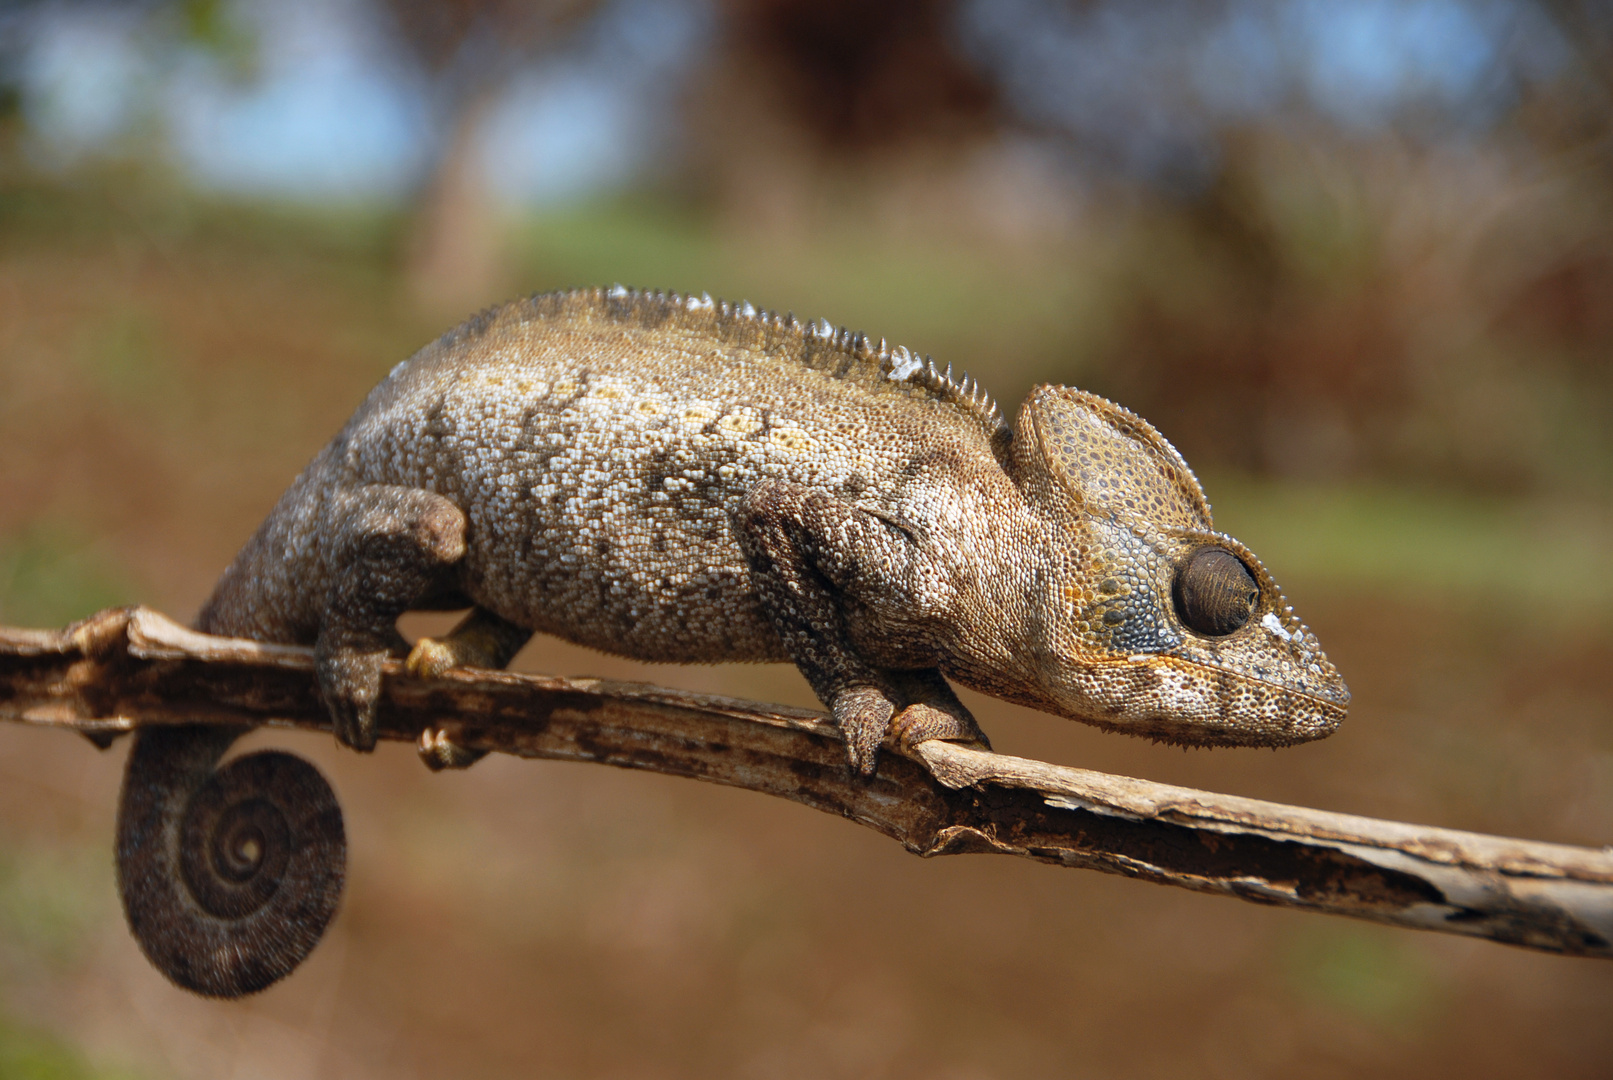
130, 667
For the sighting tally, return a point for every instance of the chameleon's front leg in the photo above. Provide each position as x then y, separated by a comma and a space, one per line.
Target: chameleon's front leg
811, 557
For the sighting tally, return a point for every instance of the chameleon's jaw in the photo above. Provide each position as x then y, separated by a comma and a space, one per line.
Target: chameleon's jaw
1176, 700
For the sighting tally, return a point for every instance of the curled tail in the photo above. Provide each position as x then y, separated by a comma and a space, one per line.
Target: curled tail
228, 875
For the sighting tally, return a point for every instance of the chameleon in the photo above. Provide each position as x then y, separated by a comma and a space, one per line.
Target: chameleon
672, 478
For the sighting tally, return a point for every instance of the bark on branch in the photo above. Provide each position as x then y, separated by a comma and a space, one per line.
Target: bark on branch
129, 667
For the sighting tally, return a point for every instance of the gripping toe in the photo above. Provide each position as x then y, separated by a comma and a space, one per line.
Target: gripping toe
864, 715
430, 658
924, 722
350, 680
440, 748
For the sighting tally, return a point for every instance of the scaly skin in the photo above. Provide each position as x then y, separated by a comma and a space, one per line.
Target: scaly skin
674, 479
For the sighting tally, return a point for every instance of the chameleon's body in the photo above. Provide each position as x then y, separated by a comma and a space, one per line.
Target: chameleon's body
674, 479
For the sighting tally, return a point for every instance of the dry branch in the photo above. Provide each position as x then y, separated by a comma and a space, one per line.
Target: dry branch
129, 667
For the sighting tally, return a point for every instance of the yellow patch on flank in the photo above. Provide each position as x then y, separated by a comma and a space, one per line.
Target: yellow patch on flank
792, 440
652, 408
698, 415
608, 392
741, 422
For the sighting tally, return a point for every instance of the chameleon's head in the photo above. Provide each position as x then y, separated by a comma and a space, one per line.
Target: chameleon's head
1150, 621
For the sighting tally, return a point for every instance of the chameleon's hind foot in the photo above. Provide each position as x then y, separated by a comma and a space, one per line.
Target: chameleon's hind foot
430, 658
439, 748
389, 548
350, 680
481, 639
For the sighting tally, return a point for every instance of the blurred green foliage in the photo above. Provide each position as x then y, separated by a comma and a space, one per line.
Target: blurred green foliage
30, 1054
122, 357
1376, 975
1329, 311
1537, 557
212, 25
50, 574
52, 902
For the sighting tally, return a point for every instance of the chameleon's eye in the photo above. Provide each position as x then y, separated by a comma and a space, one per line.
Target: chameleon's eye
1214, 592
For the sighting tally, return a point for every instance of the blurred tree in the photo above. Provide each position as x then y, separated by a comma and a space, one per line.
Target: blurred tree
860, 76
471, 49
1331, 208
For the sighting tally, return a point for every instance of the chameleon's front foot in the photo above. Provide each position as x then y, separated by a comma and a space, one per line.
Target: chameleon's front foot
864, 716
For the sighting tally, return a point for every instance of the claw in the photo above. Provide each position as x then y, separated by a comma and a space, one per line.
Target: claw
439, 749
351, 683
355, 725
481, 640
922, 722
864, 715
430, 658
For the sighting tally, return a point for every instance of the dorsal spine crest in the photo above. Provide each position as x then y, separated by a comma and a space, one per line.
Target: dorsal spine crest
897, 363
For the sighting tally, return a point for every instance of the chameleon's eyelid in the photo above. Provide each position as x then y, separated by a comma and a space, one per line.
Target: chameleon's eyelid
1262, 576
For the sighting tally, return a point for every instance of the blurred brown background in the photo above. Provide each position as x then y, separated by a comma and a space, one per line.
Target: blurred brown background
1355, 259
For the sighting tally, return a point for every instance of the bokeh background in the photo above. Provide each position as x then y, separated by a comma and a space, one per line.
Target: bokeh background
1354, 258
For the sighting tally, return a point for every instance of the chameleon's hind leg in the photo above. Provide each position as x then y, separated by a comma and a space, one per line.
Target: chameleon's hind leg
810, 557
481, 639
388, 548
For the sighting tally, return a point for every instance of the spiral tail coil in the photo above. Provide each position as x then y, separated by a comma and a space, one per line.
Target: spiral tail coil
228, 876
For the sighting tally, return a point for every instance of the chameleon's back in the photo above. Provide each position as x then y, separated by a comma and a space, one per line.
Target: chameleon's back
599, 442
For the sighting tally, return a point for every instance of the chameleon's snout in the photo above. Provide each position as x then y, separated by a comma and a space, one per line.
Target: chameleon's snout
1180, 701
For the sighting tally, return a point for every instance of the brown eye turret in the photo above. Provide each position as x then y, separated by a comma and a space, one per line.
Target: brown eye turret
1214, 592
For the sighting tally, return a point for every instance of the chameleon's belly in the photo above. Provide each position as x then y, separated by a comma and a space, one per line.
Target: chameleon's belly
651, 584
602, 508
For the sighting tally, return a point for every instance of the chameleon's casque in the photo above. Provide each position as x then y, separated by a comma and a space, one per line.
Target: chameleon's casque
678, 479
